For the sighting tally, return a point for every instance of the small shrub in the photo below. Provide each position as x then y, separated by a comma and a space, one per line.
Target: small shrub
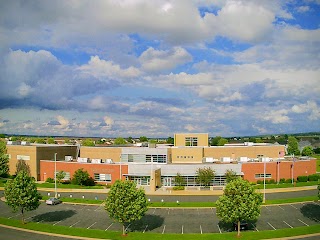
178, 188
302, 178
90, 182
259, 182
272, 181
282, 180
313, 177
66, 182
108, 185
288, 181
50, 180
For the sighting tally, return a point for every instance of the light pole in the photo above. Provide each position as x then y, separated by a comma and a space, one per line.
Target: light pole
292, 168
55, 175
120, 169
264, 182
278, 165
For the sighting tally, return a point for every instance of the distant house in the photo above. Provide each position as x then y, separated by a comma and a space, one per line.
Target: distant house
303, 144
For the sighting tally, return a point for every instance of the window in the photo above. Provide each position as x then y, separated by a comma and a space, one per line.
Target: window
157, 158
260, 155
261, 175
23, 157
191, 141
102, 177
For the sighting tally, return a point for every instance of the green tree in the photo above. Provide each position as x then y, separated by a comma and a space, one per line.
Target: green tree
293, 146
126, 203
307, 151
222, 141
87, 143
60, 175
51, 141
67, 141
80, 177
130, 140
21, 194
120, 141
22, 165
204, 176
40, 141
143, 139
179, 180
214, 141
231, 175
4, 159
239, 202
170, 140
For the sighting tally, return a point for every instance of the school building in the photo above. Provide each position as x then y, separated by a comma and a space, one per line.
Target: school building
157, 165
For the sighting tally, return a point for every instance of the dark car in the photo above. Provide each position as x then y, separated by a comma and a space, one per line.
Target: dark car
243, 225
53, 201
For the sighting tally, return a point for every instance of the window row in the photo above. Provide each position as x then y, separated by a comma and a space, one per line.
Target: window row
261, 175
102, 177
184, 156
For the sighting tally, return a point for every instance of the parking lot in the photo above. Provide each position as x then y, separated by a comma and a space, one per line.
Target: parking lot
164, 221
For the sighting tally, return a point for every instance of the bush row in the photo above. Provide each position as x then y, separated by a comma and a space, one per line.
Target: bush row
310, 178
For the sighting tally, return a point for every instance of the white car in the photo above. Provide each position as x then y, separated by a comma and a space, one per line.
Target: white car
53, 201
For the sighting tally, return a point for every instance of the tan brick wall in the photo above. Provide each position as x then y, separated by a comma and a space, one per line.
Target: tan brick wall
101, 152
15, 150
243, 151
187, 155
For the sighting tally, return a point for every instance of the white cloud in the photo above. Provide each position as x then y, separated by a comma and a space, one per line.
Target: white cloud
63, 122
303, 9
276, 117
100, 68
244, 21
311, 107
156, 60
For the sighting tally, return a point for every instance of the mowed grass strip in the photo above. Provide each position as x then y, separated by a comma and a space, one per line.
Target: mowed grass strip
94, 233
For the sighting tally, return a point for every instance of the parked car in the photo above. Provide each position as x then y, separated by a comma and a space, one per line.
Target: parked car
243, 225
53, 201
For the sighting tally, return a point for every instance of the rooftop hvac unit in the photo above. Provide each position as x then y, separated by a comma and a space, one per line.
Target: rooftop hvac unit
109, 160
82, 160
96, 160
226, 159
68, 158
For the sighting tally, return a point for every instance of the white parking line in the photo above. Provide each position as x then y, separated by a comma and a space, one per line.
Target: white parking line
109, 226
288, 224
164, 228
293, 206
212, 210
182, 229
198, 211
73, 224
145, 229
280, 207
127, 227
97, 208
255, 227
56, 223
303, 222
91, 225
271, 226
14, 216
82, 208
168, 211
267, 208
219, 228
200, 229
154, 211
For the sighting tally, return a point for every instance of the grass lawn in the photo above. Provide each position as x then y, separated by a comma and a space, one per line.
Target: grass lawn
60, 185
286, 185
94, 233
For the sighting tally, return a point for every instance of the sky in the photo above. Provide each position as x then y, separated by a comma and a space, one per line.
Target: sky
154, 68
